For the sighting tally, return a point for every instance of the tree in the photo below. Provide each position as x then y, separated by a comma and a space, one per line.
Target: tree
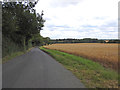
46, 40
37, 40
21, 23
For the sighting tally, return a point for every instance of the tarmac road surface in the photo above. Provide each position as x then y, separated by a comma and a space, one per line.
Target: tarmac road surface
36, 69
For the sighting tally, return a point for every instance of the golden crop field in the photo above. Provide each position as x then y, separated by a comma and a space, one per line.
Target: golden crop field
105, 54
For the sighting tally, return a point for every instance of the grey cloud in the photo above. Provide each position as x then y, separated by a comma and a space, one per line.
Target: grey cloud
100, 18
110, 24
89, 26
64, 3
57, 26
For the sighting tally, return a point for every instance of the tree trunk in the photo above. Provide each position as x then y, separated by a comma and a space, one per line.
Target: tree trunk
24, 44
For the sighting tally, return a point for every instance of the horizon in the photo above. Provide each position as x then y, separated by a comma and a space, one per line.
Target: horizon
87, 38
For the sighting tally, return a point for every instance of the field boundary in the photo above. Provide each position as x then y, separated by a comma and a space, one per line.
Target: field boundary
105, 54
90, 73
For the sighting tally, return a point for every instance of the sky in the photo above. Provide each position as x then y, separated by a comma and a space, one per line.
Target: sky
79, 18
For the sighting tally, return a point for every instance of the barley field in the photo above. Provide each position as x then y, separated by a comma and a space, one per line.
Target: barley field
105, 54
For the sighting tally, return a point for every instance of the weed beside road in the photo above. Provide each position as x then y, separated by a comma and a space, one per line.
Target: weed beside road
90, 73
105, 54
13, 55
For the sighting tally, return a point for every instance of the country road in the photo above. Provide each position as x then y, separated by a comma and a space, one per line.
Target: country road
37, 69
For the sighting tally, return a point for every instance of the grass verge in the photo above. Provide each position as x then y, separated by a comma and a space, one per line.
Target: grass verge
90, 73
13, 55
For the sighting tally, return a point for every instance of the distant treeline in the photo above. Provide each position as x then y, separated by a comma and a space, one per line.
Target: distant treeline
84, 40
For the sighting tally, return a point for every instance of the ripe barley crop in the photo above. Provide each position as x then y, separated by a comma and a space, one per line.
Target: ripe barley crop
105, 54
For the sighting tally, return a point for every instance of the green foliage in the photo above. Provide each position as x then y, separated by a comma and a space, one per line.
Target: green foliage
47, 41
37, 40
20, 24
8, 46
13, 55
84, 40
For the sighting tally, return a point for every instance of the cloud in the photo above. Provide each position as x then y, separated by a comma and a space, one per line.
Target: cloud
79, 18
63, 3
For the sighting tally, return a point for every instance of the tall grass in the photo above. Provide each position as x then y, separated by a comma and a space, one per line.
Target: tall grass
105, 54
10, 49
91, 73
